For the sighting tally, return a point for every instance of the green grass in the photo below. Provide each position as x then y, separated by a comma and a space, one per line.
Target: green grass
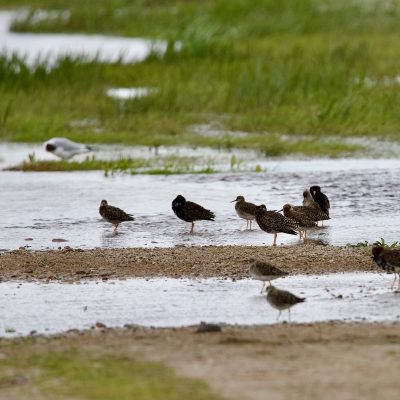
80, 375
266, 67
155, 166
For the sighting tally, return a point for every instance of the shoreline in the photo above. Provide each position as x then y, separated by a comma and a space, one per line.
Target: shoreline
283, 360
69, 264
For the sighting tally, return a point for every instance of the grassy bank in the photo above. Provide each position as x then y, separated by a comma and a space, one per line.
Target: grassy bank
73, 373
155, 166
301, 67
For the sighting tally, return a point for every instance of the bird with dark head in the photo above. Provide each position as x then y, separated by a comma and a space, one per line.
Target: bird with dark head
320, 198
190, 212
274, 222
389, 260
114, 215
282, 299
65, 148
245, 210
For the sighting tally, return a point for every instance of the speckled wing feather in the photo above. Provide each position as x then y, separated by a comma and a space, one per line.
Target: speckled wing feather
195, 212
272, 221
391, 258
303, 220
314, 214
115, 214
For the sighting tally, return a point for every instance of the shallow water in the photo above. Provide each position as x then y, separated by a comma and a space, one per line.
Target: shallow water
179, 302
36, 48
47, 206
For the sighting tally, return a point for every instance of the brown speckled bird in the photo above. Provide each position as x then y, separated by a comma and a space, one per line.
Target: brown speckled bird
190, 212
245, 210
263, 271
273, 222
282, 299
302, 219
313, 213
114, 215
320, 198
389, 260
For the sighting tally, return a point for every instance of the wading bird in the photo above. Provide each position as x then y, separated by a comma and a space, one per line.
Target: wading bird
114, 215
191, 212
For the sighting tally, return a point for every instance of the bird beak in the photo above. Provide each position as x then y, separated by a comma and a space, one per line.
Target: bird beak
280, 210
233, 201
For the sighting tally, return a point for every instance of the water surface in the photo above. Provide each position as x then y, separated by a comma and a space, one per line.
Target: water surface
180, 302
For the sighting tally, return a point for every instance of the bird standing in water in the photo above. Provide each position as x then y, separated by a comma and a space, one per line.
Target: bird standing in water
114, 215
245, 210
282, 299
388, 260
265, 272
321, 199
305, 221
191, 212
274, 223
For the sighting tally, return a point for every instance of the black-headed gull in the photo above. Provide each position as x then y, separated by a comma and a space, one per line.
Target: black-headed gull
65, 148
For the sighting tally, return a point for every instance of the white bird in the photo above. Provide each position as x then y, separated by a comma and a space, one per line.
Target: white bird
65, 148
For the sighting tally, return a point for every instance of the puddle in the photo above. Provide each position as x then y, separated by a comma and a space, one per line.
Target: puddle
36, 48
181, 302
45, 206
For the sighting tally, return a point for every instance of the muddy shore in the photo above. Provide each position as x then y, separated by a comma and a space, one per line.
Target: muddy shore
285, 361
210, 261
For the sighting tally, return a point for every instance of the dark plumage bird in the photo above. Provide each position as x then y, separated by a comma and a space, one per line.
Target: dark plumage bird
114, 215
245, 210
304, 221
388, 260
263, 271
191, 212
273, 222
282, 299
320, 198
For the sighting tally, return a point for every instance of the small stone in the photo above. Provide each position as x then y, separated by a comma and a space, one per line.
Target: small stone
206, 327
59, 240
100, 325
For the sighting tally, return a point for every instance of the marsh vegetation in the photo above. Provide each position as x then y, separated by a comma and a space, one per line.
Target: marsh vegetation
298, 68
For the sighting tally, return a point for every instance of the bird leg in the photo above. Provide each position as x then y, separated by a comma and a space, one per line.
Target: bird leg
275, 236
289, 314
250, 223
280, 312
115, 229
262, 288
191, 230
395, 278
247, 224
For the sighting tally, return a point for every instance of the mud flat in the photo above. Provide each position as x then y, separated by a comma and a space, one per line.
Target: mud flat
283, 361
182, 261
